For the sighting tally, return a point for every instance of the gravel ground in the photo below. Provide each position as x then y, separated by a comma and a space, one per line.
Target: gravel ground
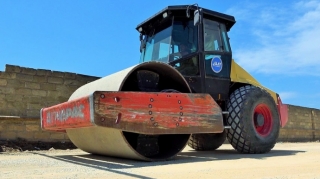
286, 160
23, 145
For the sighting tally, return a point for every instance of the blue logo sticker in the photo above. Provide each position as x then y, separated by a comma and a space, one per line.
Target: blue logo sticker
216, 64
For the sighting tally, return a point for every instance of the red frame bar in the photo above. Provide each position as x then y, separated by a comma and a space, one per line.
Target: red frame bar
283, 112
71, 114
140, 112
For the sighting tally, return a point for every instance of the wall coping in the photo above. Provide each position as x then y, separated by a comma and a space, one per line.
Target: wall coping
296, 106
2, 117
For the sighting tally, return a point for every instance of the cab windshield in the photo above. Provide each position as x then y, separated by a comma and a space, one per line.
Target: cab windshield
170, 41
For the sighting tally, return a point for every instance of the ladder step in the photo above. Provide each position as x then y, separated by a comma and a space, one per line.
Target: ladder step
225, 113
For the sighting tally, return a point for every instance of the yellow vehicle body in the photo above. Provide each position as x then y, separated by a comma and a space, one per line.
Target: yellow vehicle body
239, 75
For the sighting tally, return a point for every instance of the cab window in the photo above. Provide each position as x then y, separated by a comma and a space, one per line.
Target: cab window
225, 38
215, 36
188, 66
184, 38
212, 38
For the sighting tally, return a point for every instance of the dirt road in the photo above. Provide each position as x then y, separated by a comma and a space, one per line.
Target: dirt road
287, 160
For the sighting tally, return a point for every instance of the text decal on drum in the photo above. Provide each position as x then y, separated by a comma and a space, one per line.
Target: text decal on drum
65, 114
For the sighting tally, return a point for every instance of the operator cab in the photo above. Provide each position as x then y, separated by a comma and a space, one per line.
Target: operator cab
197, 46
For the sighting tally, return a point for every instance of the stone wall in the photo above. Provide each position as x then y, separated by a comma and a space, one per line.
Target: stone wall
303, 125
24, 91
12, 128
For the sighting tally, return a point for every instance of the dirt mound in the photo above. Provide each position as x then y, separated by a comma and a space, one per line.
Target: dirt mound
20, 145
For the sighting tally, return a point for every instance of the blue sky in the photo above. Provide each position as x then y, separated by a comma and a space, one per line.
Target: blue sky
278, 42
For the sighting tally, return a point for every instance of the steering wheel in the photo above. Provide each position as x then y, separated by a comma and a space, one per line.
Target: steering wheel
175, 56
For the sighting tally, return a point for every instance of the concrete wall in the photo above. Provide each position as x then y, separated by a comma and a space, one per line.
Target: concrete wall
24, 91
12, 128
303, 125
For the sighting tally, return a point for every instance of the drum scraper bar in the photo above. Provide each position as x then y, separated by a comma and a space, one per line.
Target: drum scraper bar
139, 112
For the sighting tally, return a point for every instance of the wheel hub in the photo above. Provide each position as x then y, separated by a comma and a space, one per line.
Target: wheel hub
262, 119
259, 120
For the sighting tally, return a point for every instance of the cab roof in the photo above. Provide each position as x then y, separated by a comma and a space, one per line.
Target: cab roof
180, 10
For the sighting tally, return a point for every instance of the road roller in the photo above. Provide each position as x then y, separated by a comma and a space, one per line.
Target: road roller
185, 90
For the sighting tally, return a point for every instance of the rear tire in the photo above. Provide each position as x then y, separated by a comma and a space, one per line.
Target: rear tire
254, 120
204, 142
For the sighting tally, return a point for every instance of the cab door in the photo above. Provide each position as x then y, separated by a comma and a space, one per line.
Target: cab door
217, 59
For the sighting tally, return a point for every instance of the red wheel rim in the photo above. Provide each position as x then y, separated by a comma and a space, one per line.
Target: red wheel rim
262, 119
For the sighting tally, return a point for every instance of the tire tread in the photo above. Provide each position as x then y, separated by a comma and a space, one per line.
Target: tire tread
238, 136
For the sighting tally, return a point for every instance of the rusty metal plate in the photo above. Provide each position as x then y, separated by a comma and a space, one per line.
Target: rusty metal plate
158, 113
139, 112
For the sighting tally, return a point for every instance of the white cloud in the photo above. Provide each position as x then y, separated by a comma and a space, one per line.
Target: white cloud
287, 95
287, 39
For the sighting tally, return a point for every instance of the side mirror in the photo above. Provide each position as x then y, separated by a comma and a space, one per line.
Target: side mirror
197, 17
